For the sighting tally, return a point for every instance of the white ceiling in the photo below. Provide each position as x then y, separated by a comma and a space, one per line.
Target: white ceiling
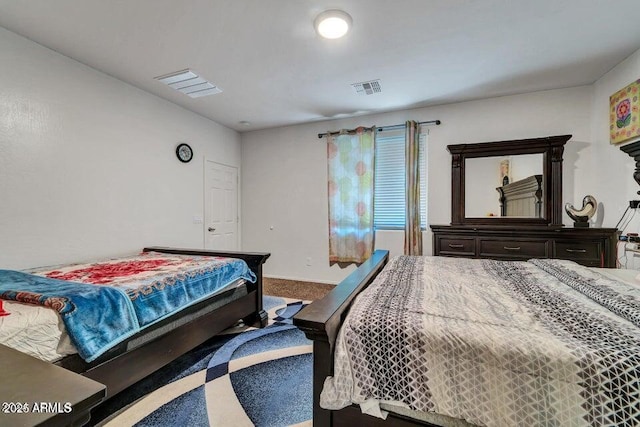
276, 71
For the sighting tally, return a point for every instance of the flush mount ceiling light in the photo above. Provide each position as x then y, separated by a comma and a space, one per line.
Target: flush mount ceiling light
189, 83
333, 24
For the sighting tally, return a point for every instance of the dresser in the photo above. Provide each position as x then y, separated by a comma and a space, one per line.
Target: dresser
593, 247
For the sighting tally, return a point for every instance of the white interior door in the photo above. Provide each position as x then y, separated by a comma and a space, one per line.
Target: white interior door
220, 206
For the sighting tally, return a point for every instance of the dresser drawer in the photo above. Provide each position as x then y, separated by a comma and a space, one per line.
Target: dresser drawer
579, 251
590, 246
457, 246
513, 249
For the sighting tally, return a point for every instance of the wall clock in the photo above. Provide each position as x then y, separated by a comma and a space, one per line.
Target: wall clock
184, 153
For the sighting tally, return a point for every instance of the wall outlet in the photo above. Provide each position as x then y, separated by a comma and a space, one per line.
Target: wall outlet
633, 204
197, 219
308, 261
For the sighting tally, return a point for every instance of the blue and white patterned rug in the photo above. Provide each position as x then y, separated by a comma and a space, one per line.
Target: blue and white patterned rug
259, 377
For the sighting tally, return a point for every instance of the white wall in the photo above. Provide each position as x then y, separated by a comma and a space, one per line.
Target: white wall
482, 177
284, 171
611, 170
87, 162
525, 165
611, 177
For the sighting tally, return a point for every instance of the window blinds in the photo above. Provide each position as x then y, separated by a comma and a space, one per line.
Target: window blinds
390, 183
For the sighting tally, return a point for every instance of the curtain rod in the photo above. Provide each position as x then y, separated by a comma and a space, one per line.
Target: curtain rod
381, 128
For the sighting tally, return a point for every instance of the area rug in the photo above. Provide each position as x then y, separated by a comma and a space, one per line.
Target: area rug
247, 377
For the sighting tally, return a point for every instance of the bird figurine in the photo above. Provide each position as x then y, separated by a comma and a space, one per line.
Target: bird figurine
581, 216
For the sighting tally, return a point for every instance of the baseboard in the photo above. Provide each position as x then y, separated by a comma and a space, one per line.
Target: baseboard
297, 279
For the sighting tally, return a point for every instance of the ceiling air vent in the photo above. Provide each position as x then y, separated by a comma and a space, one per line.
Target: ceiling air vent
367, 88
189, 83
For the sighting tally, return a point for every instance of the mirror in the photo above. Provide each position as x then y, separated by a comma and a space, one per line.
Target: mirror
532, 195
500, 186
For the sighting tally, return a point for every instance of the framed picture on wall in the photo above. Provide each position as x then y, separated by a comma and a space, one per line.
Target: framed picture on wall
624, 110
505, 172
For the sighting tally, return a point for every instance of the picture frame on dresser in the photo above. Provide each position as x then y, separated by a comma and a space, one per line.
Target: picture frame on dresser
520, 238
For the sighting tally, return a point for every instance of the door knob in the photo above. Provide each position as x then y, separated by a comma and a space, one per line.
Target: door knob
211, 229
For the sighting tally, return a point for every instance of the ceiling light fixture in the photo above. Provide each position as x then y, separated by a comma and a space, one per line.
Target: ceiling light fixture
333, 24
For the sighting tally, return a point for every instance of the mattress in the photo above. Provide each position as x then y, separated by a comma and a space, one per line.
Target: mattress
36, 331
40, 331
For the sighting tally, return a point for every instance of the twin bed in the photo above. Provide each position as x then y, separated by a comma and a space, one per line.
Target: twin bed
454, 341
117, 321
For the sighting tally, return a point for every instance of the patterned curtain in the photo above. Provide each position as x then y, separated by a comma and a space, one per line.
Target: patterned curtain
412, 228
350, 164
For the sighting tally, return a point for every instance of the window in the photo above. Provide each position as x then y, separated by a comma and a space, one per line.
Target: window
390, 188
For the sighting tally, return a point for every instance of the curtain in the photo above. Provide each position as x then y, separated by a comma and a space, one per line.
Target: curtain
350, 162
412, 230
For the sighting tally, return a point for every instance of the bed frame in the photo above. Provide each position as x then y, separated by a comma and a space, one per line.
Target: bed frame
320, 321
127, 368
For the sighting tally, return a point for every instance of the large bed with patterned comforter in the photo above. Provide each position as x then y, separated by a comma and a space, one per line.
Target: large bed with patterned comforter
118, 320
453, 341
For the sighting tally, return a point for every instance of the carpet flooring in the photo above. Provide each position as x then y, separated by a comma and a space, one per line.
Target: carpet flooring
245, 377
308, 291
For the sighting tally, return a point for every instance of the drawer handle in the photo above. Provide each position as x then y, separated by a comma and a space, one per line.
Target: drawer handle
580, 251
509, 248
458, 246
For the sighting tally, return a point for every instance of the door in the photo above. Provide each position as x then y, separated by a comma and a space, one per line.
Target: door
220, 206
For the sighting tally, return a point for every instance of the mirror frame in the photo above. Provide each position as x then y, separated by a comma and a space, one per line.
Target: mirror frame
552, 148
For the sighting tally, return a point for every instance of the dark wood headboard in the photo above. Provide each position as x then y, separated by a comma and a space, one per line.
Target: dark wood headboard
522, 198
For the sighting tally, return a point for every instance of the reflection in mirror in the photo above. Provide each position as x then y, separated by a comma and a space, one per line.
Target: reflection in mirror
504, 186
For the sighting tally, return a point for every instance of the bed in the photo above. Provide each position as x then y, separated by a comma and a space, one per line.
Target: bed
172, 299
539, 342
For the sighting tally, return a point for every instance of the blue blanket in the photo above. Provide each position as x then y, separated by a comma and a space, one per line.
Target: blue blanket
99, 317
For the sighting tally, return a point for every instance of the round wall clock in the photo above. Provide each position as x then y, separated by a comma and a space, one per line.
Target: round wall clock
184, 153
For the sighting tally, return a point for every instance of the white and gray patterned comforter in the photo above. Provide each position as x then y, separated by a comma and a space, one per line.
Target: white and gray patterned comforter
543, 342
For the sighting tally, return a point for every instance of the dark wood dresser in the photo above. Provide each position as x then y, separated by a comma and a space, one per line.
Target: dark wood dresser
593, 247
